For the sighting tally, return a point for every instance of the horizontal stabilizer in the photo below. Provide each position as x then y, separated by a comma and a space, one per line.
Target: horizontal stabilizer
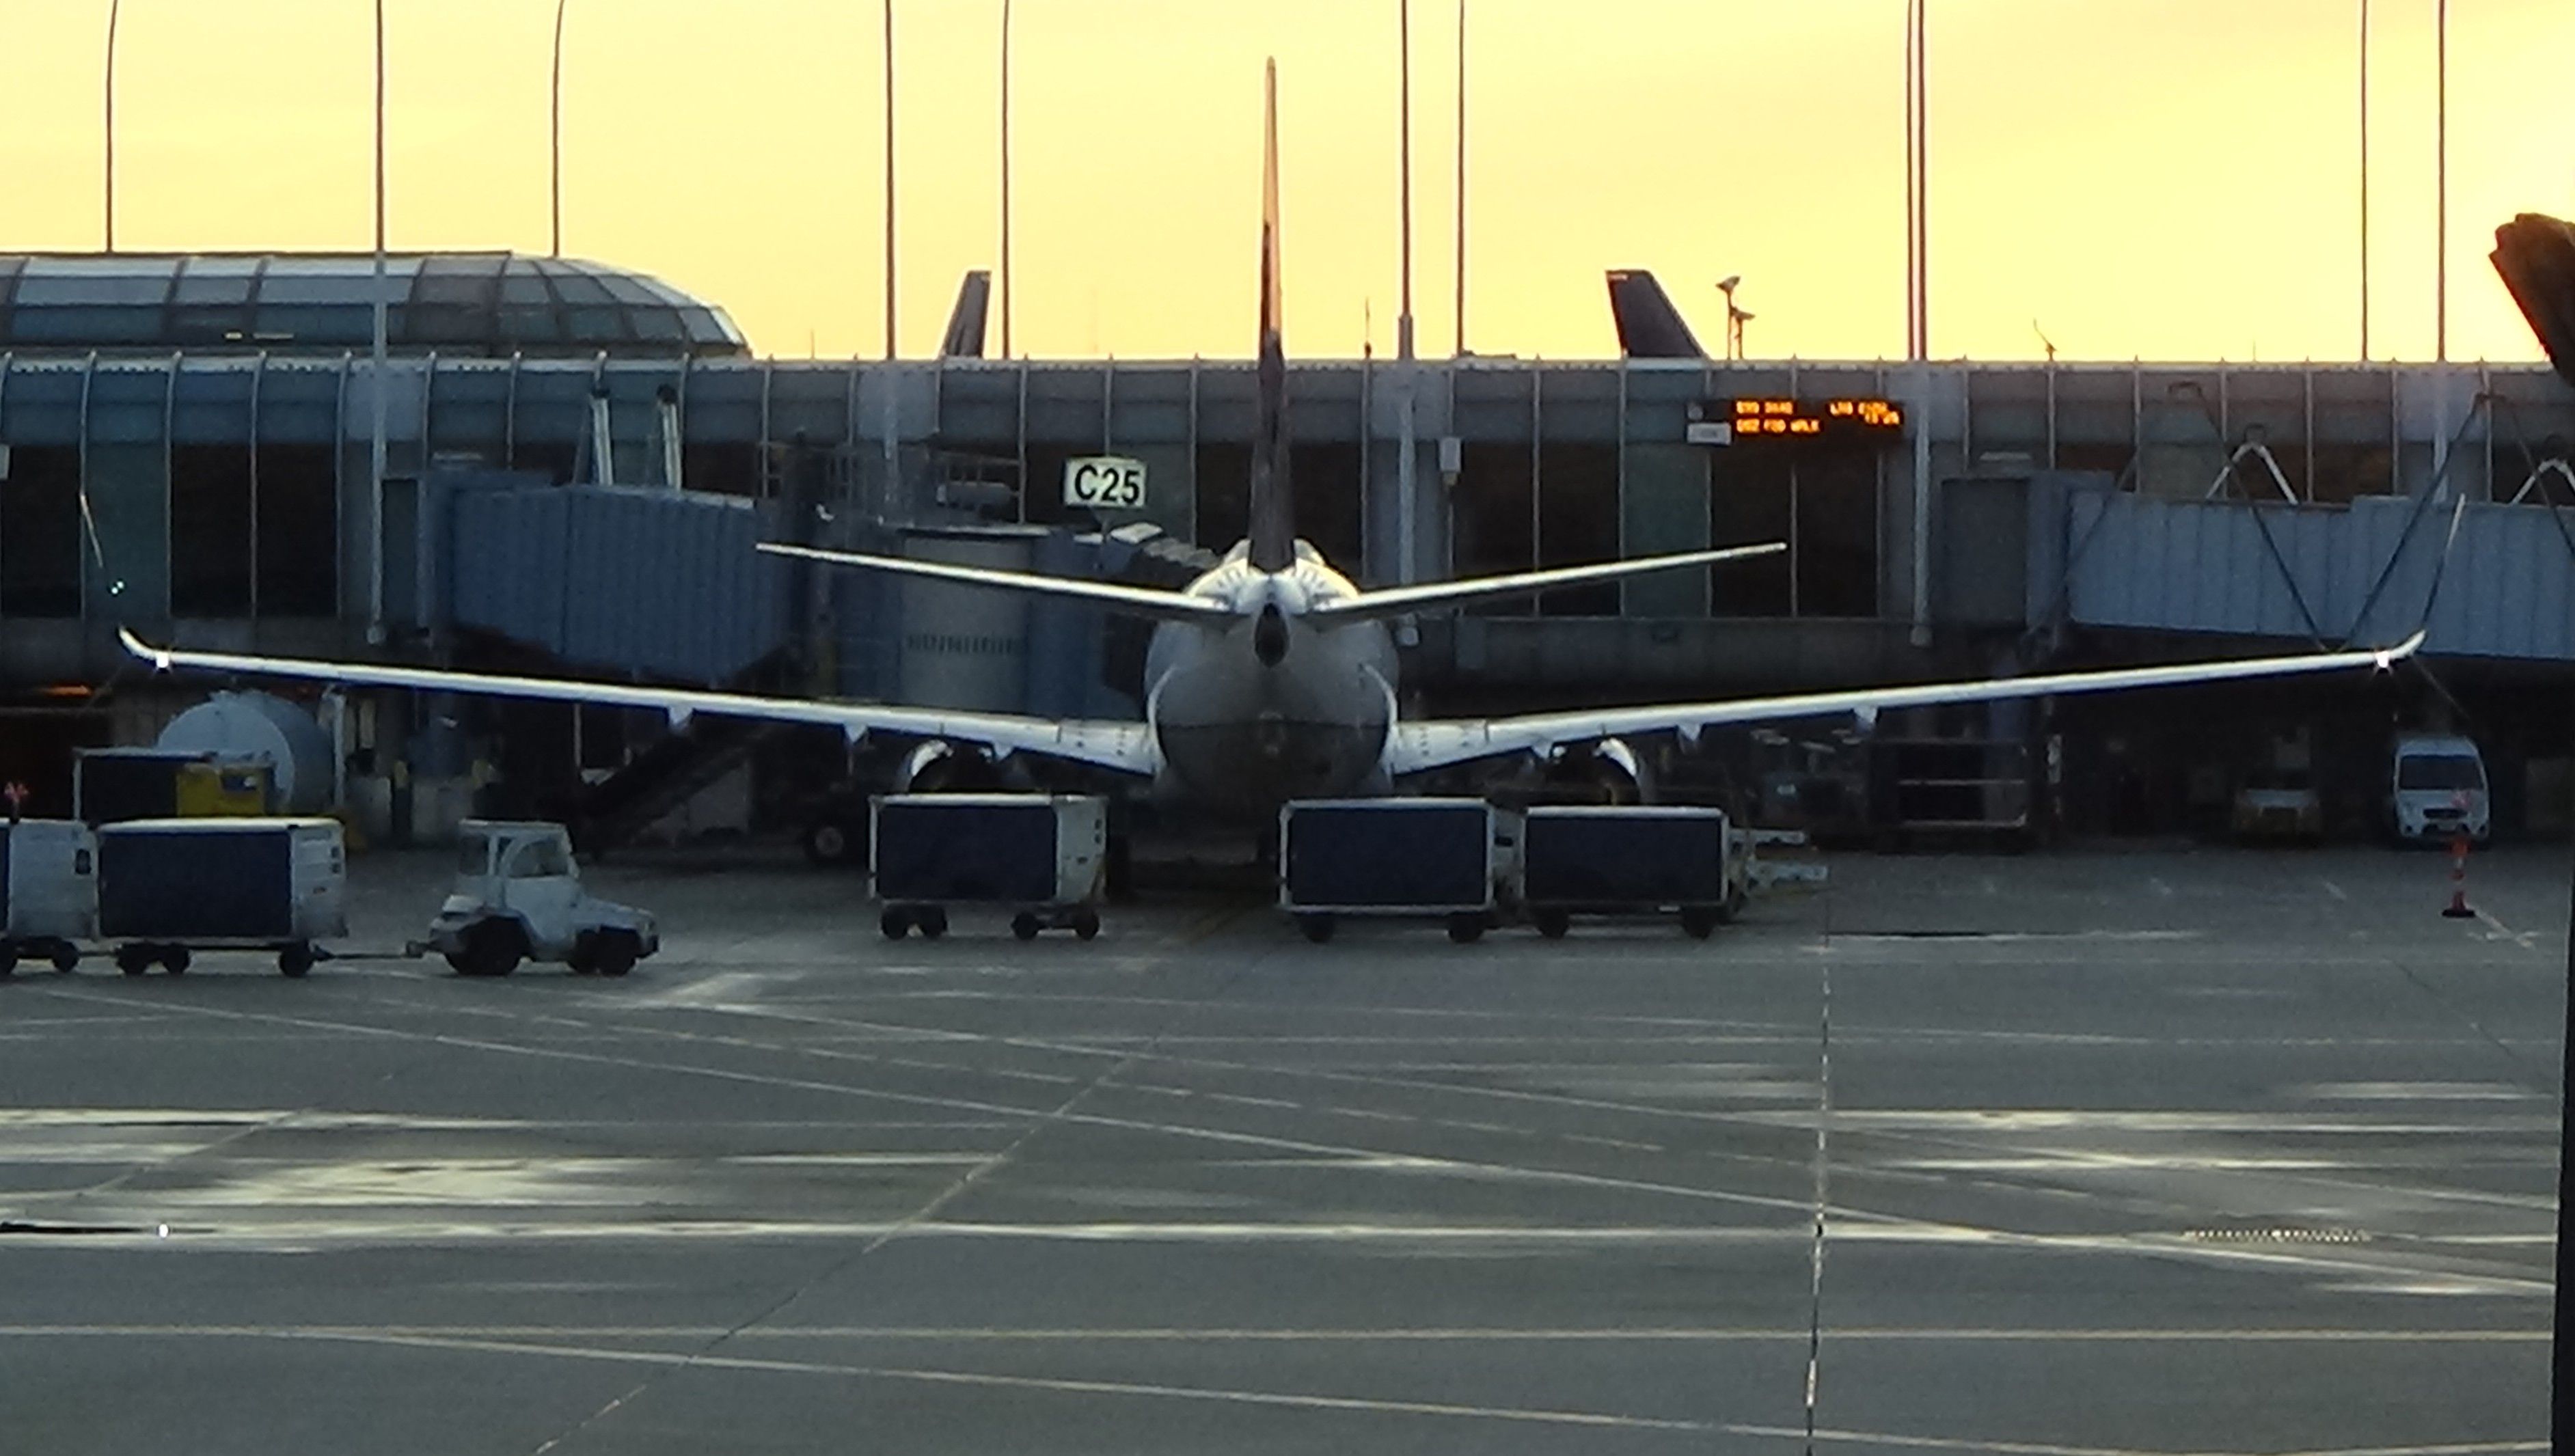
1141, 601
1435, 595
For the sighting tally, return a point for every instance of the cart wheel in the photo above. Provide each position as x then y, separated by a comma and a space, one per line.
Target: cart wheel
134, 960
1732, 907
8, 959
1024, 925
933, 923
491, 947
1698, 922
1466, 929
583, 957
294, 960
1086, 924
1317, 928
174, 959
618, 952
66, 957
894, 923
1553, 923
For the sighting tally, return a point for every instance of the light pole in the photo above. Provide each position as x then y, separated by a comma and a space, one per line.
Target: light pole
555, 148
1917, 180
1006, 178
1735, 318
114, 7
376, 373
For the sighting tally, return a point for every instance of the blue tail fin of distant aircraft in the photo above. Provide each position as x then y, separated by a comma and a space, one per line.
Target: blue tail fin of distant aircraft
1273, 538
1648, 326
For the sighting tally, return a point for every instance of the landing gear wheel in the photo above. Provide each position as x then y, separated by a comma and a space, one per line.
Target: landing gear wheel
1086, 924
174, 959
134, 960
618, 952
933, 924
1466, 929
66, 958
491, 947
294, 960
1024, 925
827, 842
1317, 928
583, 960
894, 923
1698, 922
1554, 925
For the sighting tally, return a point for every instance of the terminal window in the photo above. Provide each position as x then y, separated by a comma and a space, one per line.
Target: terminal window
40, 532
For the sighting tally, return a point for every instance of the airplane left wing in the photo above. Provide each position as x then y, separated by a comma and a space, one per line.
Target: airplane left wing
1127, 748
1418, 747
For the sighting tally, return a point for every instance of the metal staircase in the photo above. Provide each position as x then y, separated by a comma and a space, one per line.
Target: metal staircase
663, 776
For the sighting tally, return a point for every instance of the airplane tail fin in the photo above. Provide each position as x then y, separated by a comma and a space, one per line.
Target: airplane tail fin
1273, 515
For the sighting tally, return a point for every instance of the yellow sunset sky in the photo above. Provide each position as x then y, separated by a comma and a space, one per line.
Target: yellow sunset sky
2173, 179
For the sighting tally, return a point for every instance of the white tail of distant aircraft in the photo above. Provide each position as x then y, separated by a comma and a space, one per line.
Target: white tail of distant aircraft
1272, 677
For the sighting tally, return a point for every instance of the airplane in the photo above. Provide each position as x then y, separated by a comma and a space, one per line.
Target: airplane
1272, 677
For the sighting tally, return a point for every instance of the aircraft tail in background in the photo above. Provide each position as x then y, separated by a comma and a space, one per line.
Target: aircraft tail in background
1272, 514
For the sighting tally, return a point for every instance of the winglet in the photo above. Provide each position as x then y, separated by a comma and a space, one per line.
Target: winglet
157, 657
2389, 656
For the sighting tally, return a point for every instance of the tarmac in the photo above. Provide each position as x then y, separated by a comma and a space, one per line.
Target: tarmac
2086, 1154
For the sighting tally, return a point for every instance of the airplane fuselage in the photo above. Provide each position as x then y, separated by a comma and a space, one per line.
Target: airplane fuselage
1271, 704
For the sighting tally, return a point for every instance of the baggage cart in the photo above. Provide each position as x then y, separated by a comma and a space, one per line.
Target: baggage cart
1388, 857
166, 887
1043, 857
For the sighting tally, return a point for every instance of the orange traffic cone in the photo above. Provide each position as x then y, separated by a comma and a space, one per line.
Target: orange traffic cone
2458, 906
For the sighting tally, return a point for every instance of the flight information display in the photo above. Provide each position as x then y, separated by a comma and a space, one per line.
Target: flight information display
1752, 420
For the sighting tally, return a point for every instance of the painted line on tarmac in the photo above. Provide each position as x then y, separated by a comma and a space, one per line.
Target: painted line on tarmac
1457, 1166
1596, 1420
1675, 1334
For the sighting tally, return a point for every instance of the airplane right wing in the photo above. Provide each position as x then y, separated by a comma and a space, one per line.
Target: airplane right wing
1127, 748
1418, 747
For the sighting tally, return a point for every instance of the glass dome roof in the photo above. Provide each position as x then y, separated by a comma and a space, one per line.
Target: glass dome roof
494, 304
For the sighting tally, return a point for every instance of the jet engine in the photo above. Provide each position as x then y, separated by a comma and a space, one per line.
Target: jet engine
939, 766
1608, 771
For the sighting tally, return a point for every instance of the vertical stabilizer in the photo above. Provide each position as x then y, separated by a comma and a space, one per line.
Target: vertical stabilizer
1274, 521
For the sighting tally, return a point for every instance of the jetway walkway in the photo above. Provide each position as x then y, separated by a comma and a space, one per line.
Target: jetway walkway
2484, 579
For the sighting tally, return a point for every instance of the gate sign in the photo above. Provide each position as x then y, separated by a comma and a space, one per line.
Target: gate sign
1105, 483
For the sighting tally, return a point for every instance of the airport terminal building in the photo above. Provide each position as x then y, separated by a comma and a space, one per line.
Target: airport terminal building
577, 458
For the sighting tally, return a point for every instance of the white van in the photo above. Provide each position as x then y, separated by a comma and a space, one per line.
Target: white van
2438, 789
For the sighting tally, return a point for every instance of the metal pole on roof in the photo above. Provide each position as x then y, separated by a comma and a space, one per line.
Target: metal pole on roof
2441, 187
1006, 178
114, 8
376, 373
1460, 351
555, 136
889, 178
2364, 181
1404, 166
